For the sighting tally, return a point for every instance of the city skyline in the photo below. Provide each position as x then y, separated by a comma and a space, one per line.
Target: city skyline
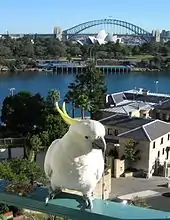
37, 17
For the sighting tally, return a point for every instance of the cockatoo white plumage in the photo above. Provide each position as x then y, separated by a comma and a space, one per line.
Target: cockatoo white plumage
76, 161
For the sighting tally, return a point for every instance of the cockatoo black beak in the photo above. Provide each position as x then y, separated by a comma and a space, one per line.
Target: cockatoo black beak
99, 143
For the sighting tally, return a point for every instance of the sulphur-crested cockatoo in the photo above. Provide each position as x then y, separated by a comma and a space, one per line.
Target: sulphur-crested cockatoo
76, 161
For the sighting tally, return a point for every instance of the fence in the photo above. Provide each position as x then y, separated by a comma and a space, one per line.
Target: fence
67, 206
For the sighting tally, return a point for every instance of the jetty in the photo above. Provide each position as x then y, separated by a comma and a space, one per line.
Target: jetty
72, 68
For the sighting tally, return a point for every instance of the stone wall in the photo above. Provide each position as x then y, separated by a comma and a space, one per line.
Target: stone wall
119, 167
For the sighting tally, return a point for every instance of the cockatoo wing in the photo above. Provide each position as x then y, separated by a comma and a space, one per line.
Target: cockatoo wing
90, 168
47, 167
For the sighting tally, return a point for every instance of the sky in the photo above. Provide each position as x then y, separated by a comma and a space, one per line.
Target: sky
40, 16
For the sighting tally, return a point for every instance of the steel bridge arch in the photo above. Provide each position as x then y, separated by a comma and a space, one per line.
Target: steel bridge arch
81, 27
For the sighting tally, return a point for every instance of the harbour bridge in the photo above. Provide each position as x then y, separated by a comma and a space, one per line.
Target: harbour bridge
116, 27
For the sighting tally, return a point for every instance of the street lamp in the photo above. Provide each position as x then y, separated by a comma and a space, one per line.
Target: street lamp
12, 91
156, 85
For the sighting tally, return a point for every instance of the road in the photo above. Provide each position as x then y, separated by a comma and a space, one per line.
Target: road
123, 186
160, 201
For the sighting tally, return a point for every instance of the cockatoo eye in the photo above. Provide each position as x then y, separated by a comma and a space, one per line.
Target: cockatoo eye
86, 137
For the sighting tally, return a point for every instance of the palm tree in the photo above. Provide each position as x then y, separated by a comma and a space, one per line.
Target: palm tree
82, 104
53, 96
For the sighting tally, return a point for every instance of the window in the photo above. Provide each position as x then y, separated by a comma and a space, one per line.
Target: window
164, 117
154, 145
167, 153
157, 115
158, 153
163, 151
168, 137
144, 115
162, 140
109, 131
116, 132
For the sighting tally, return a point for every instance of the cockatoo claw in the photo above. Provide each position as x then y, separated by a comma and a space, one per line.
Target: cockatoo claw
88, 201
52, 194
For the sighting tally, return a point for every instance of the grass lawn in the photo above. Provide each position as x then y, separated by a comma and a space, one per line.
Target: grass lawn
139, 57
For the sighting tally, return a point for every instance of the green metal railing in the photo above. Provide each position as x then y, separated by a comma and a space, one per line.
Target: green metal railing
67, 206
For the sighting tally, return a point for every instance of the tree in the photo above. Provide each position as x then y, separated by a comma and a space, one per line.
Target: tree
70, 97
83, 104
88, 91
53, 97
5, 51
56, 48
33, 145
69, 58
22, 113
136, 50
132, 153
53, 125
54, 128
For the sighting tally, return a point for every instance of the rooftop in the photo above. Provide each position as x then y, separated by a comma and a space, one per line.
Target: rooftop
128, 106
163, 105
145, 98
136, 94
125, 121
149, 131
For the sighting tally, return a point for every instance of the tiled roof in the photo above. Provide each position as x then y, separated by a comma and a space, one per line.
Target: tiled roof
115, 98
163, 105
129, 107
150, 131
136, 134
125, 121
145, 98
118, 97
138, 95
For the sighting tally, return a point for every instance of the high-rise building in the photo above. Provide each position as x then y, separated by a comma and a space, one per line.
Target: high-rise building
58, 32
157, 36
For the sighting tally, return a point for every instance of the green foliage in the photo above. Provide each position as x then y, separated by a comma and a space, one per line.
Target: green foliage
2, 217
21, 170
33, 117
132, 153
54, 128
36, 216
17, 53
33, 145
3, 209
53, 97
88, 91
139, 201
22, 112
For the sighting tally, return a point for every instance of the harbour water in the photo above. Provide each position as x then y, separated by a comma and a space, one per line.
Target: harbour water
42, 82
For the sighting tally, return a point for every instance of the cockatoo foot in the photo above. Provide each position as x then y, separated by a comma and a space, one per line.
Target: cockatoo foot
88, 201
52, 194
